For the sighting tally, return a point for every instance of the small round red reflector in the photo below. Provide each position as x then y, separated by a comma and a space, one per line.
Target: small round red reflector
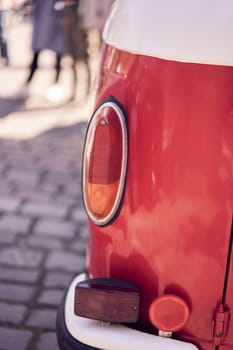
169, 313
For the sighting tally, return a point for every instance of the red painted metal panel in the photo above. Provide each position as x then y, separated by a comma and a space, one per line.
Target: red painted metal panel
173, 230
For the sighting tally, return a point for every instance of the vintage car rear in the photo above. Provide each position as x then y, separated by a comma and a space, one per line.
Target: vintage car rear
158, 183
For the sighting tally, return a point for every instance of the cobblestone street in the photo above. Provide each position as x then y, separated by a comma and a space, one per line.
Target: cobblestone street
42, 234
43, 229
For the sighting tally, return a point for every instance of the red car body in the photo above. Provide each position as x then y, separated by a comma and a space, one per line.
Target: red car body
171, 233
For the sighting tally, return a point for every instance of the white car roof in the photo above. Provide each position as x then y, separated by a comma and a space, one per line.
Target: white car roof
198, 31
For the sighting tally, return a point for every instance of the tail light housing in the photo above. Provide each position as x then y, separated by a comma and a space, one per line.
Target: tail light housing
105, 162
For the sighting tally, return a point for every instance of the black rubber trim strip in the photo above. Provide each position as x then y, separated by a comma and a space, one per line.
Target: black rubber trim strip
227, 266
65, 340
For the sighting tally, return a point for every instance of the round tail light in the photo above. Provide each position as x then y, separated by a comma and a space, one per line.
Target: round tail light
169, 313
105, 162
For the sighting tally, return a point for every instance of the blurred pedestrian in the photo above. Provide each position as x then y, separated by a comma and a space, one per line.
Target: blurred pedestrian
80, 17
94, 14
77, 42
5, 6
48, 33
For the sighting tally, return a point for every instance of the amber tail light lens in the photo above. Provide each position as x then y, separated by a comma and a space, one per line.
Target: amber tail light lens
104, 162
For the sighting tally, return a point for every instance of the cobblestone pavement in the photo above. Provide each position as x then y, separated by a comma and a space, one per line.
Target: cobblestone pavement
43, 230
43, 234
